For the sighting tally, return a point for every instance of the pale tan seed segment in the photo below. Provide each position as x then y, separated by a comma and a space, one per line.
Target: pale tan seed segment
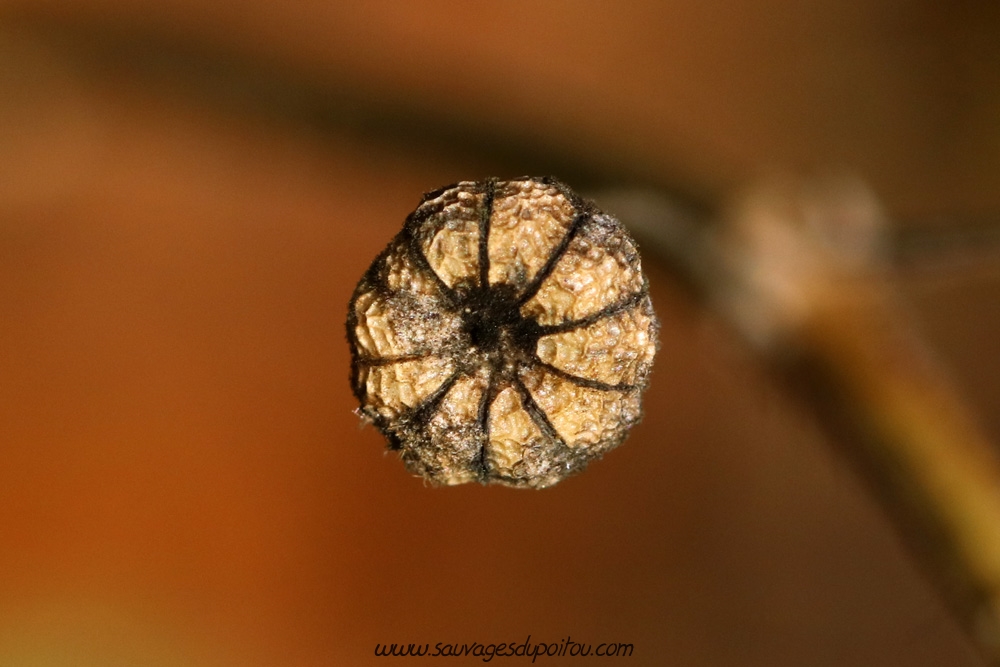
511, 432
599, 268
401, 325
401, 310
449, 237
461, 404
404, 273
394, 389
617, 349
374, 332
529, 221
455, 436
583, 417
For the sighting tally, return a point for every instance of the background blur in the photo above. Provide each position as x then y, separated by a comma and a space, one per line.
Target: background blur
188, 194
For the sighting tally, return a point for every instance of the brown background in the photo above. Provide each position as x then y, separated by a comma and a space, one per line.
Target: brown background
182, 478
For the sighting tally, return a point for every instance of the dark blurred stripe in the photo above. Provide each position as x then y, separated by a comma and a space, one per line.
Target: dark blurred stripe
245, 84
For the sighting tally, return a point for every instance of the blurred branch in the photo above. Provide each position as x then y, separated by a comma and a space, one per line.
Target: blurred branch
800, 271
326, 102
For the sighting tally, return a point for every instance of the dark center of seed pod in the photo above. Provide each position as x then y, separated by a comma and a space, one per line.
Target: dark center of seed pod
493, 319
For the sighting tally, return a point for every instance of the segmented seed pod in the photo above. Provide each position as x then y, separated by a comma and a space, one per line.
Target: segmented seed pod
504, 336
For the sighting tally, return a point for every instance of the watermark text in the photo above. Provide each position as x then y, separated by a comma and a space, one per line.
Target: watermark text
525, 649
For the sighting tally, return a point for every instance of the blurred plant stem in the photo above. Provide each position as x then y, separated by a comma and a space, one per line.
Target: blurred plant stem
927, 458
800, 270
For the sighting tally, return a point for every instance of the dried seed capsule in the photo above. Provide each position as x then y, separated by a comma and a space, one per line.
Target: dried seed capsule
504, 336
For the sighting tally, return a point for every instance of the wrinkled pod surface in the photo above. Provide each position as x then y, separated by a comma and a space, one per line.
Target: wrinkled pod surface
504, 336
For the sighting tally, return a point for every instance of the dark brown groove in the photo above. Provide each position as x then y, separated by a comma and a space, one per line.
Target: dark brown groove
586, 382
414, 246
553, 259
436, 396
483, 419
536, 413
571, 196
484, 234
609, 311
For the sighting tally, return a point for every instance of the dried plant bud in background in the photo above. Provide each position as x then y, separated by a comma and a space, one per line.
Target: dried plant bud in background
504, 336
788, 245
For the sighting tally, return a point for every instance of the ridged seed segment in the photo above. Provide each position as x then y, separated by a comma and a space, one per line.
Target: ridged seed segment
398, 388
617, 349
599, 269
528, 220
449, 238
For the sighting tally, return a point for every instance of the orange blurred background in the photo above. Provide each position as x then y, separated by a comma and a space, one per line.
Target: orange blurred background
188, 194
